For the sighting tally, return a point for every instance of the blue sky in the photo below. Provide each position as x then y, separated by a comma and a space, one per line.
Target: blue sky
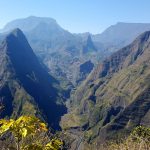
78, 15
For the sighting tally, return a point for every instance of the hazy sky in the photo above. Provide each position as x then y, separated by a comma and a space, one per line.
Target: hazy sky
78, 15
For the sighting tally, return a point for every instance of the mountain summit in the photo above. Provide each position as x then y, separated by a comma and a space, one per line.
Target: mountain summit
25, 85
121, 34
89, 45
28, 23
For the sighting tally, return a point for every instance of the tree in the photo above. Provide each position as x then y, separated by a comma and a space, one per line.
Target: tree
24, 130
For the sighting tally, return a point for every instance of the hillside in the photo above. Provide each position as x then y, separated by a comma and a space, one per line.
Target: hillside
115, 97
25, 85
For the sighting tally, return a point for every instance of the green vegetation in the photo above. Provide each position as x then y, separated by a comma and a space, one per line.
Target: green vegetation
139, 139
27, 133
115, 97
141, 133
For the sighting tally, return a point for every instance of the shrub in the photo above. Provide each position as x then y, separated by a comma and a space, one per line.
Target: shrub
141, 133
28, 133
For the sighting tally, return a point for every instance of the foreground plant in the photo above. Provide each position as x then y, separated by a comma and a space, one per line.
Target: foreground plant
139, 139
27, 131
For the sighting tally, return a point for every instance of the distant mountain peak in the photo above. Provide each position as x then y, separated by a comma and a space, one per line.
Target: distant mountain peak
29, 23
89, 45
36, 17
42, 19
120, 34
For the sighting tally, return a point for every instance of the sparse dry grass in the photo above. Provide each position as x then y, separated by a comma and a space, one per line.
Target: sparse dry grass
139, 139
129, 144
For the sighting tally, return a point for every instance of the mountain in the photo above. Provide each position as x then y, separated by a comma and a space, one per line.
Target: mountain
120, 34
115, 97
89, 45
59, 49
25, 85
28, 24
42, 32
63, 52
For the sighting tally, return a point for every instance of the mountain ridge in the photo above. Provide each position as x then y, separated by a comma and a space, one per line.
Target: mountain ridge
115, 97
121, 34
58, 48
29, 86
